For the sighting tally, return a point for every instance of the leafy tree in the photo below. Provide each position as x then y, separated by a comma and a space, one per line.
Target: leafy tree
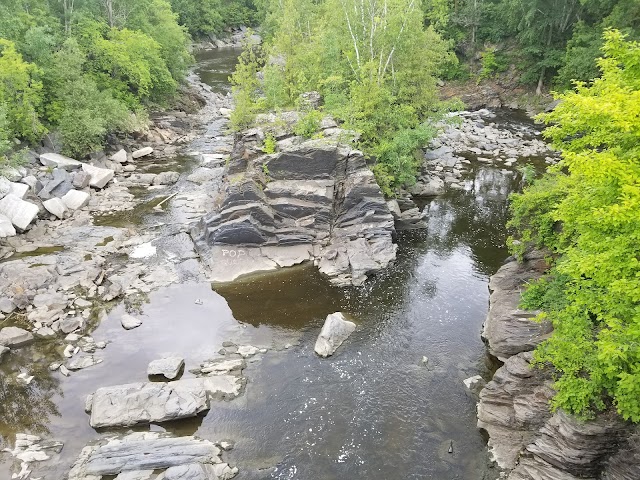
21, 92
587, 211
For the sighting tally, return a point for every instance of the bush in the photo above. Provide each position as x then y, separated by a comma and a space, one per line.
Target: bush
309, 124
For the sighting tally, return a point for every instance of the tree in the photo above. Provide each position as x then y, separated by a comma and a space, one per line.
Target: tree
20, 92
587, 212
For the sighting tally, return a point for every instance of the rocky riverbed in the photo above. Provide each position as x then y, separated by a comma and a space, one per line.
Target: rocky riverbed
114, 344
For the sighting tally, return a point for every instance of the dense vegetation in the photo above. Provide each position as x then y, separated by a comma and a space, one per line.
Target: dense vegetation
547, 40
586, 211
86, 68
374, 63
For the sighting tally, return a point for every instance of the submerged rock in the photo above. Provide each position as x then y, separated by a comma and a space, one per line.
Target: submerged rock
335, 331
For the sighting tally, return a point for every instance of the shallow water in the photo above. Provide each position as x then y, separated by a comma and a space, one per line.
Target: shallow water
373, 411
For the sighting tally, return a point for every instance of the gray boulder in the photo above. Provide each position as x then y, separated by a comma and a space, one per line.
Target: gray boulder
5, 187
6, 227
15, 337
168, 367
59, 185
166, 178
19, 189
99, 176
335, 331
59, 161
120, 156
130, 322
142, 152
140, 451
20, 212
56, 207
137, 403
75, 199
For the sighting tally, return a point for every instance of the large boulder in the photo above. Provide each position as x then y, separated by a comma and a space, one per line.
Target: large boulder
99, 176
75, 199
20, 212
138, 403
15, 337
6, 227
56, 207
168, 367
130, 455
335, 331
59, 161
142, 152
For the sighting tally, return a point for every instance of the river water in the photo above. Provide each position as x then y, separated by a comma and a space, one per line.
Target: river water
376, 410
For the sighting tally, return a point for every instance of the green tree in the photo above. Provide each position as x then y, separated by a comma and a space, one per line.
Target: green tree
587, 211
20, 92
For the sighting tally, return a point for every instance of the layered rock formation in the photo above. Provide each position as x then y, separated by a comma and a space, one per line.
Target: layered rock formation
526, 439
314, 199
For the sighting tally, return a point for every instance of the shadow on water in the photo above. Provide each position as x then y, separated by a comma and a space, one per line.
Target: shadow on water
214, 67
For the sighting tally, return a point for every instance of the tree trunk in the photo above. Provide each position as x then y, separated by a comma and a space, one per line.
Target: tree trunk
540, 82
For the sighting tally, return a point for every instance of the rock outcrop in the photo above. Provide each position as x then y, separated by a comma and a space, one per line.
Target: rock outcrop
508, 330
311, 200
526, 439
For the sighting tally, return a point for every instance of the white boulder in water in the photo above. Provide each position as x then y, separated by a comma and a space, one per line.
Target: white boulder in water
336, 329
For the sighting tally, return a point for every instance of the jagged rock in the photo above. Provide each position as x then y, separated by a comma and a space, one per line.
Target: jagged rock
335, 331
81, 180
577, 447
223, 366
141, 451
59, 185
3, 351
246, 351
142, 152
99, 176
71, 324
509, 330
6, 227
513, 405
135, 403
474, 384
168, 367
75, 199
320, 197
56, 207
15, 337
59, 161
625, 464
20, 212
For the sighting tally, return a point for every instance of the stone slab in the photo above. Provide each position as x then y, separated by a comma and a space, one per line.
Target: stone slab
20, 212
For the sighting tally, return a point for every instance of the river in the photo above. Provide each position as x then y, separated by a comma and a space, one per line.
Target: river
376, 410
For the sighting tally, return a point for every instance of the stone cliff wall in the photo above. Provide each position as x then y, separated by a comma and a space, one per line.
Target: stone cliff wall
525, 438
313, 199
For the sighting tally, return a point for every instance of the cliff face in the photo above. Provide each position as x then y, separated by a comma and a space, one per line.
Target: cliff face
314, 199
525, 438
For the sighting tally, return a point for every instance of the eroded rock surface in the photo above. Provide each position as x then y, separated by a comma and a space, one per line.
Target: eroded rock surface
508, 330
312, 200
526, 439
335, 331
134, 453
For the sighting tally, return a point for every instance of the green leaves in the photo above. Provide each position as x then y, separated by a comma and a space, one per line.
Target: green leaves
587, 211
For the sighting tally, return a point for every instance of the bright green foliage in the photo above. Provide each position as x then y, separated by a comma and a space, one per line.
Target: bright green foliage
21, 92
490, 63
269, 146
245, 86
309, 124
587, 211
374, 64
201, 18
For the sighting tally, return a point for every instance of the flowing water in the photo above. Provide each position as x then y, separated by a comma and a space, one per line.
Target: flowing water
376, 410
